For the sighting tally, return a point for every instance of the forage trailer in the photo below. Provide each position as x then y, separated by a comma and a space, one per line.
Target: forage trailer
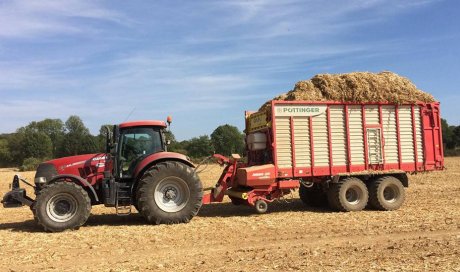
347, 155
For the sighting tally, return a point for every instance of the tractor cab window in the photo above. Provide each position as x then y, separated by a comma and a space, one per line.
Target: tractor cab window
136, 144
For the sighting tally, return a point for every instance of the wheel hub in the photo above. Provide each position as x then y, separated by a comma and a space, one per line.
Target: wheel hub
353, 195
61, 207
390, 194
170, 193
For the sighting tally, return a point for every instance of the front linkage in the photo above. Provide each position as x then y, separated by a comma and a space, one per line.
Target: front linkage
17, 197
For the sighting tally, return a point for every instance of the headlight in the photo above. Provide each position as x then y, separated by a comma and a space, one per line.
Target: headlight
40, 180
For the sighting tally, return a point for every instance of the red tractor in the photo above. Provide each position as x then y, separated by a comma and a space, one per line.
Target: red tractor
135, 170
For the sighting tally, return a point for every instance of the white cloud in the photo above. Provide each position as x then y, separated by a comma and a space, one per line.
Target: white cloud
269, 19
29, 19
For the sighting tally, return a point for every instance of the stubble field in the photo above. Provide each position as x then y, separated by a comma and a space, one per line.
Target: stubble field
424, 235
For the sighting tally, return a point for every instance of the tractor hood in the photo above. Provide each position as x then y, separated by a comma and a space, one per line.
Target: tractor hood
86, 166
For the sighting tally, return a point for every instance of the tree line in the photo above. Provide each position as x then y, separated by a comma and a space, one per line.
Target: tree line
450, 138
52, 138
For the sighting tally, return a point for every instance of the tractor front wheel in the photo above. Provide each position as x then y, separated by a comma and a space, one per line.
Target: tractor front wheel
169, 192
60, 206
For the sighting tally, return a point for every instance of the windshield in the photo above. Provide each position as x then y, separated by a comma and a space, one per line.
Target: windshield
135, 144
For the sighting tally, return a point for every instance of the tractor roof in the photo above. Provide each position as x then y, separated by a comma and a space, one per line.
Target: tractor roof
149, 123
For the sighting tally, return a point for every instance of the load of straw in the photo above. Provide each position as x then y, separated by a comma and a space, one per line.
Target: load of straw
356, 87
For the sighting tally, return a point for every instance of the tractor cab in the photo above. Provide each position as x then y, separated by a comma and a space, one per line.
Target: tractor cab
134, 141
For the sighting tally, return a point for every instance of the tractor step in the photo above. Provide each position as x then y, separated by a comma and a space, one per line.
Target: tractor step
123, 201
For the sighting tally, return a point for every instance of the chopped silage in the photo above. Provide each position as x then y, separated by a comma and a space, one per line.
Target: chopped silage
356, 87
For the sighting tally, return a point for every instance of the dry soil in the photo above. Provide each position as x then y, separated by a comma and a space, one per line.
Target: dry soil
424, 235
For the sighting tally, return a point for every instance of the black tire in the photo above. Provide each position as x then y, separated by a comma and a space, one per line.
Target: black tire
151, 197
136, 207
348, 195
314, 196
386, 193
261, 206
61, 206
35, 215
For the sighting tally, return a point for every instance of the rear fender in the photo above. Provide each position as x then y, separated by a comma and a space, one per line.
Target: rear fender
153, 159
80, 181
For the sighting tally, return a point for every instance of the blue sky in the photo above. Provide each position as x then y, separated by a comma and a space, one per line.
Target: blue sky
205, 62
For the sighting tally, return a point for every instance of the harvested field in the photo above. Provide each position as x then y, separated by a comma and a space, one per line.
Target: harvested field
356, 87
424, 235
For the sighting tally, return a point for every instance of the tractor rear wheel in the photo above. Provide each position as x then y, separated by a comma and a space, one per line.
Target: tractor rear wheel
169, 192
61, 205
313, 196
348, 195
386, 193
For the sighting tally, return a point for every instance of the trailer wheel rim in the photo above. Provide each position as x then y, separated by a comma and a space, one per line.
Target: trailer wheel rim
172, 194
353, 195
61, 207
391, 193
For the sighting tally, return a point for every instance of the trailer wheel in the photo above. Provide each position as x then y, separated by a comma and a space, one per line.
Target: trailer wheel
61, 205
169, 192
386, 193
314, 196
348, 195
261, 206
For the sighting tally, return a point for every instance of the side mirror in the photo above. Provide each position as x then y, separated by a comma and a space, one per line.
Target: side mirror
168, 142
109, 140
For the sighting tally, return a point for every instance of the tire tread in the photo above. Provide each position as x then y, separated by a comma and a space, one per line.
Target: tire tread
149, 178
82, 218
374, 201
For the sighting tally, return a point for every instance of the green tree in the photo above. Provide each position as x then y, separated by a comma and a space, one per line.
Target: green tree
5, 155
15, 146
199, 147
102, 137
29, 143
448, 137
77, 139
174, 145
456, 135
227, 140
36, 144
75, 125
54, 128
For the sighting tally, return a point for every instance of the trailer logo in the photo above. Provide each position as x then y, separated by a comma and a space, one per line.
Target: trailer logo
294, 110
